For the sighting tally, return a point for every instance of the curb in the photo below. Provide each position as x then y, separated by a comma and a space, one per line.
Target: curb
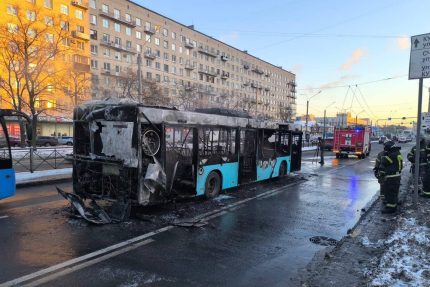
42, 181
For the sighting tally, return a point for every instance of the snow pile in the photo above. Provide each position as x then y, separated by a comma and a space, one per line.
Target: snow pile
406, 262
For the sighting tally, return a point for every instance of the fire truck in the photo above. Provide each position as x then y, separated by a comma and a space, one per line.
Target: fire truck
352, 141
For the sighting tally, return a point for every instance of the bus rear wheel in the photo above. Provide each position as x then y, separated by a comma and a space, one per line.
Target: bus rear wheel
212, 185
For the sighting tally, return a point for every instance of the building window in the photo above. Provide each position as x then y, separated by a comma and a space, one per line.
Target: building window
148, 63
79, 14
128, 31
148, 38
64, 9
94, 49
157, 41
166, 68
173, 47
128, 44
127, 17
138, 48
165, 32
106, 66
81, 46
105, 23
117, 41
31, 15
93, 4
166, 45
157, 77
93, 34
47, 4
166, 56
173, 35
49, 21
64, 26
138, 22
116, 14
105, 8
138, 35
117, 27
12, 10
149, 75
128, 58
93, 19
173, 58
105, 38
157, 65
117, 56
94, 64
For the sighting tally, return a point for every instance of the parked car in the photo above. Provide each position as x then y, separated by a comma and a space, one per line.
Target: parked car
46, 141
328, 144
382, 139
409, 138
402, 139
15, 141
65, 140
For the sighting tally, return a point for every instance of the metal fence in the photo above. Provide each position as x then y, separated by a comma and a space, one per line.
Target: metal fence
31, 159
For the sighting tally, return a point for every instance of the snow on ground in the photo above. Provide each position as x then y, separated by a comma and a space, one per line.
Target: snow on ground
39, 175
406, 261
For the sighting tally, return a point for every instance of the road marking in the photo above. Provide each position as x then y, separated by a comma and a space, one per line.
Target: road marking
87, 264
55, 271
4, 216
20, 280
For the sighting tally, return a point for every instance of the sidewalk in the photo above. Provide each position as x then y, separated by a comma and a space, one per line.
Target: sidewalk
381, 250
43, 176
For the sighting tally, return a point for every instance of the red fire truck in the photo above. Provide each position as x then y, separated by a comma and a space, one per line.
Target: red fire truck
352, 141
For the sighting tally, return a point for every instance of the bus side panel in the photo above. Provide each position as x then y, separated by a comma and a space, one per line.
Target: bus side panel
267, 172
279, 160
229, 173
7, 183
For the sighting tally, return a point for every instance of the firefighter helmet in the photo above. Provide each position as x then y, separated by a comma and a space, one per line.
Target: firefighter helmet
388, 145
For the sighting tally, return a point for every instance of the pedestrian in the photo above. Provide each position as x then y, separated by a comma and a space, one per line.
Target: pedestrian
377, 175
424, 164
321, 148
390, 170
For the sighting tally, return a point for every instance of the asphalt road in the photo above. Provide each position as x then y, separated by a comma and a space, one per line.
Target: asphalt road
255, 236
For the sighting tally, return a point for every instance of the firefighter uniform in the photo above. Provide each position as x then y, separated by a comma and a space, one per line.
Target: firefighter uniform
376, 172
390, 171
424, 165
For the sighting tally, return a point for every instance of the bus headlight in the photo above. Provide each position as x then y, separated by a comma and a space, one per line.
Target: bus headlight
201, 170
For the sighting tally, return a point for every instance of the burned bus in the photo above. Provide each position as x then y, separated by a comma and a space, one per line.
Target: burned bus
147, 155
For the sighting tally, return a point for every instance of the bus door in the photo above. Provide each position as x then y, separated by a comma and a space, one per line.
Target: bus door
7, 173
248, 156
296, 151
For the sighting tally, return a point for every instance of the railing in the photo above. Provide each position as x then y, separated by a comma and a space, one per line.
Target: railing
30, 159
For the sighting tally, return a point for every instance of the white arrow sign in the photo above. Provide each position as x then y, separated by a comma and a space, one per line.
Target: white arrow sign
419, 64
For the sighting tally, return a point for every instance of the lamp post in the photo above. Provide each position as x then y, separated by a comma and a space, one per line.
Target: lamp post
324, 122
324, 132
356, 118
307, 113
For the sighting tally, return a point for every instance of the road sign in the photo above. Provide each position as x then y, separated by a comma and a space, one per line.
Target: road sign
419, 63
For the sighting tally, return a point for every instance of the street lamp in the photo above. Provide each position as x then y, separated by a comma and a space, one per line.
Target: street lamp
307, 111
356, 118
324, 123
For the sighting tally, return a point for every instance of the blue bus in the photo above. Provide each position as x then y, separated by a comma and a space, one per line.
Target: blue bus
7, 173
146, 155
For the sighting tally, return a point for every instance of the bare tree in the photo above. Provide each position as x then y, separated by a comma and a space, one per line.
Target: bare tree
37, 43
188, 98
77, 86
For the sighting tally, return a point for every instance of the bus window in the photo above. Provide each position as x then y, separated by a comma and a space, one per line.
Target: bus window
283, 146
216, 143
267, 143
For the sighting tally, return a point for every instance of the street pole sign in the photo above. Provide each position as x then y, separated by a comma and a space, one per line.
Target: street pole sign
419, 68
419, 63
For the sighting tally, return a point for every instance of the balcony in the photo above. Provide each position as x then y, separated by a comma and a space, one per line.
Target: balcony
246, 66
267, 75
225, 58
80, 4
117, 18
189, 45
149, 30
246, 84
80, 67
80, 35
118, 47
207, 52
189, 67
207, 72
106, 72
258, 71
150, 55
225, 76
267, 89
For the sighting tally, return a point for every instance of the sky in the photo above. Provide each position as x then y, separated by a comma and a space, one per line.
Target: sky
355, 52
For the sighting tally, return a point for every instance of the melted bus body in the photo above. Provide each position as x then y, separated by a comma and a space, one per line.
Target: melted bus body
144, 154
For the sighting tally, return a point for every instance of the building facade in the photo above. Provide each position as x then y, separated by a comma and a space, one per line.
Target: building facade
191, 68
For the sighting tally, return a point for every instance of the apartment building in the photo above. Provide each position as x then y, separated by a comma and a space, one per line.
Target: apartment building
183, 61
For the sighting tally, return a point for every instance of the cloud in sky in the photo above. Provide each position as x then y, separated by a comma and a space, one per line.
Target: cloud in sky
403, 43
354, 59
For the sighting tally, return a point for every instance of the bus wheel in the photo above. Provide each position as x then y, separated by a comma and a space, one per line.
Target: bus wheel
213, 185
283, 169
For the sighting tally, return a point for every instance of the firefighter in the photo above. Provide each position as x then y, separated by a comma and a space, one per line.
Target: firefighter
424, 162
390, 170
376, 172
321, 146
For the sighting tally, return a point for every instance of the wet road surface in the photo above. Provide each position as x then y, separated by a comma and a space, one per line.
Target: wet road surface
262, 239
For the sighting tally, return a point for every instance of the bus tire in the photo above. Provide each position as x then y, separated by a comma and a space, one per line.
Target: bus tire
283, 169
212, 185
